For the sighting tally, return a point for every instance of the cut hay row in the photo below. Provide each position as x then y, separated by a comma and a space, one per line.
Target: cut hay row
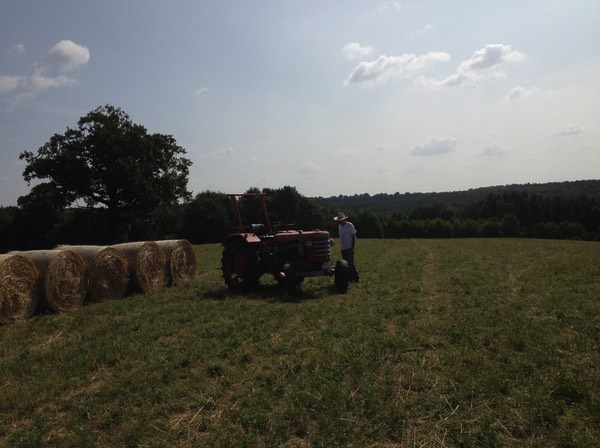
19, 288
62, 279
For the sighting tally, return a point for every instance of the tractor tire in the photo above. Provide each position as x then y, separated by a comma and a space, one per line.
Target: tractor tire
291, 281
240, 265
342, 276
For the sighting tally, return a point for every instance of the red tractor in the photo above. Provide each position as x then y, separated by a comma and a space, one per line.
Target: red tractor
289, 255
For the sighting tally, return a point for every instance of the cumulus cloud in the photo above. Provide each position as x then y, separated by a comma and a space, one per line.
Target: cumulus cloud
491, 56
484, 64
435, 147
520, 92
63, 57
387, 67
354, 50
66, 56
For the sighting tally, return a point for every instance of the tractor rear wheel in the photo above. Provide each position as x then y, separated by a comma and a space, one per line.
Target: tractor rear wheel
342, 276
240, 265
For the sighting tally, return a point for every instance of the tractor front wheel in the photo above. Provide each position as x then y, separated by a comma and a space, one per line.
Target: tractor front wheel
342, 276
291, 280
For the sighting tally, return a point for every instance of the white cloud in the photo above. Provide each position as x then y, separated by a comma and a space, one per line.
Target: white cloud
435, 147
480, 66
521, 92
354, 50
569, 131
66, 55
394, 5
422, 31
201, 90
385, 147
225, 152
491, 56
9, 83
493, 150
310, 168
388, 67
39, 82
19, 48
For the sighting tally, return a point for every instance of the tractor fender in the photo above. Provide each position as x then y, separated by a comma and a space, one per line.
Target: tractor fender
248, 238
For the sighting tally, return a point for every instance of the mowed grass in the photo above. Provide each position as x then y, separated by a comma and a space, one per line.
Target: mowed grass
444, 343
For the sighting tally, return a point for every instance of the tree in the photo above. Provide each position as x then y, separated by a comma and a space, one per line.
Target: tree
511, 226
208, 218
369, 225
284, 204
112, 163
288, 206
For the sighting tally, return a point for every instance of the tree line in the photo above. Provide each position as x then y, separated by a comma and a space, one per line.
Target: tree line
109, 181
406, 202
210, 216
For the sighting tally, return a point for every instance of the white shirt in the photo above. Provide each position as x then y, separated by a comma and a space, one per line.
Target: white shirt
346, 232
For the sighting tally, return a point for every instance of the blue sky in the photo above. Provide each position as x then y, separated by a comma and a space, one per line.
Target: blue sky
332, 97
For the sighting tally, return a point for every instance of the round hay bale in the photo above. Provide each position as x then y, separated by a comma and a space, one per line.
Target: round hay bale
19, 288
107, 270
63, 279
181, 260
147, 265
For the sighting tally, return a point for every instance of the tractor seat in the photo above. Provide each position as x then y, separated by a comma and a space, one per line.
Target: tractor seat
259, 229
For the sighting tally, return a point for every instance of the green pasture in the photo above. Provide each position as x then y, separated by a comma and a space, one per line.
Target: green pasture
444, 343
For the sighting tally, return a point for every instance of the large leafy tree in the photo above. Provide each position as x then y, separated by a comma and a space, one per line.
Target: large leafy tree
109, 162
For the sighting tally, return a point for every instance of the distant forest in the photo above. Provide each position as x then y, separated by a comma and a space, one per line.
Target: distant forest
407, 202
565, 210
560, 210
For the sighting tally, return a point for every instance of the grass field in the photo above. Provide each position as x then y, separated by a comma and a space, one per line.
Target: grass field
444, 343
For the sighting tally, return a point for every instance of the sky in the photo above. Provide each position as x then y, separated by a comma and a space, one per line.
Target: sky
331, 97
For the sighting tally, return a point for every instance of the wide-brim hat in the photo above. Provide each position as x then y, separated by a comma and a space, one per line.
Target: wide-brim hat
341, 216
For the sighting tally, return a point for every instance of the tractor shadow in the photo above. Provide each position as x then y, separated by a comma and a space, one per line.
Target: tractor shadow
274, 292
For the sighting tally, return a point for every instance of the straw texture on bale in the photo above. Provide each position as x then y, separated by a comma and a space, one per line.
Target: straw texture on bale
181, 260
107, 270
147, 265
19, 288
63, 279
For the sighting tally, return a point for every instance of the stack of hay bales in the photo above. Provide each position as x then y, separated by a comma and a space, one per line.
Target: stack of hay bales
62, 279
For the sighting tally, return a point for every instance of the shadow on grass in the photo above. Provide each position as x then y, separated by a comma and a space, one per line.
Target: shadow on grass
273, 292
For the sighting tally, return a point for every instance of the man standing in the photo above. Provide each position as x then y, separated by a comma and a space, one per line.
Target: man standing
347, 234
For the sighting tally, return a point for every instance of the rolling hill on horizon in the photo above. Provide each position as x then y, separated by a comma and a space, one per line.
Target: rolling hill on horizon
402, 202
